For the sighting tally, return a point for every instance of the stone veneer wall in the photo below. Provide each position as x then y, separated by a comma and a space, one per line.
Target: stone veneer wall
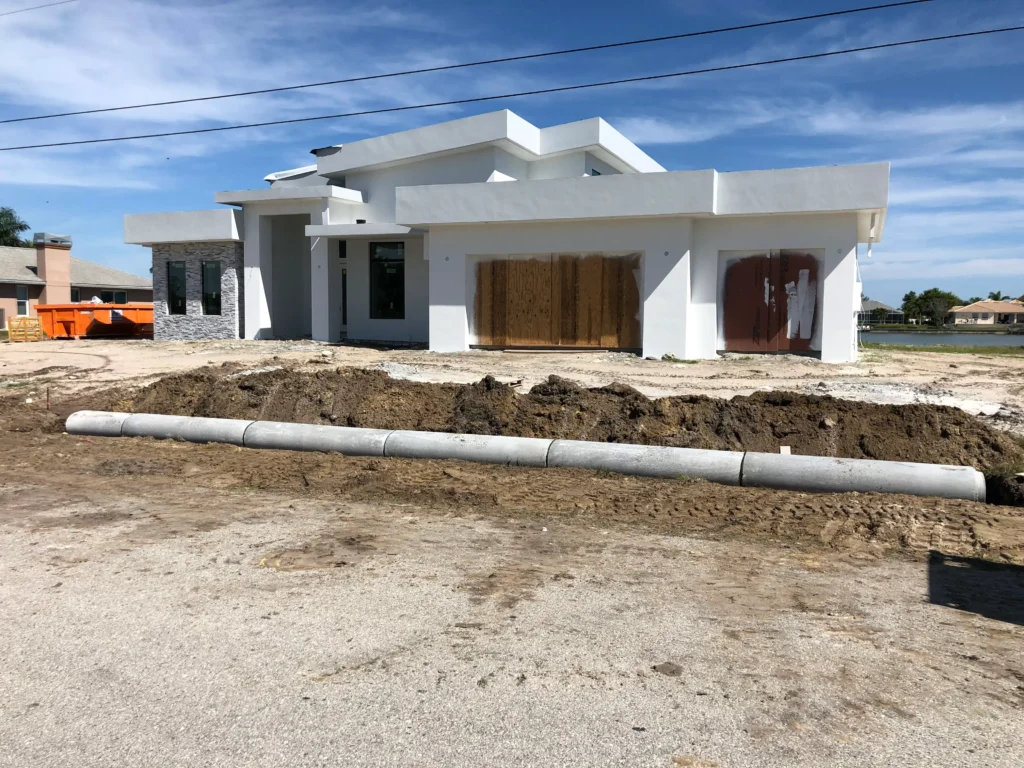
194, 325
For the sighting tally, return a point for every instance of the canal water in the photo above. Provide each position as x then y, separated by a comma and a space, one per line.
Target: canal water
950, 339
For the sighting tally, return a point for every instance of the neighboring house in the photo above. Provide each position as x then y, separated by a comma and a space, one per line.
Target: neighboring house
868, 308
490, 232
49, 274
989, 313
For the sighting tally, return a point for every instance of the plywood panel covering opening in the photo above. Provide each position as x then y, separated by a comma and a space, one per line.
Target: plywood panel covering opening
558, 300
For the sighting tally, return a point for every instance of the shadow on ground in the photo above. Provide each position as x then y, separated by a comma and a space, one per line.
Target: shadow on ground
992, 590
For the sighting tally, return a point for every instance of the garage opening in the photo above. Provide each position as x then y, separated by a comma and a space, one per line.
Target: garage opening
770, 301
558, 301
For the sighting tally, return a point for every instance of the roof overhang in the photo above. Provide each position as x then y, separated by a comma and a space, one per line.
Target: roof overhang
274, 194
861, 189
503, 129
355, 231
217, 225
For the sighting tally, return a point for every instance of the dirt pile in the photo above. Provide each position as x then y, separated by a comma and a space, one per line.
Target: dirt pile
558, 408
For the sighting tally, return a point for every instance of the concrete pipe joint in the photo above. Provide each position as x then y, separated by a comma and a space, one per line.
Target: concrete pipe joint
351, 441
192, 429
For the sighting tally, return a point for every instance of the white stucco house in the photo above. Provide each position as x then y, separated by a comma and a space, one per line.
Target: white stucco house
490, 232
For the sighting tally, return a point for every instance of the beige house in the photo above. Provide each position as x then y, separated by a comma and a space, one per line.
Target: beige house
49, 274
989, 313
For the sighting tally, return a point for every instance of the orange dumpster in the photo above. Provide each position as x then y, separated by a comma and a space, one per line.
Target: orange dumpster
73, 321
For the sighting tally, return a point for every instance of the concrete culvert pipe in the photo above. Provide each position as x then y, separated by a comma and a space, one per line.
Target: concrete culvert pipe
351, 441
815, 474
821, 474
192, 429
490, 449
649, 461
98, 423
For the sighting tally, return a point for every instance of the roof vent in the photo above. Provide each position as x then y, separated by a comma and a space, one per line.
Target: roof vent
46, 238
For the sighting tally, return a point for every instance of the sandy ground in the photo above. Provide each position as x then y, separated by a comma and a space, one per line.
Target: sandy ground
150, 620
169, 603
989, 385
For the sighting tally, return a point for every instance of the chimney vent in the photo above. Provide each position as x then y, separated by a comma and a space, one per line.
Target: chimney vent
47, 238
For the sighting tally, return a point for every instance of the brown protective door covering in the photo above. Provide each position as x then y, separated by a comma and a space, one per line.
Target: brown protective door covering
770, 302
562, 300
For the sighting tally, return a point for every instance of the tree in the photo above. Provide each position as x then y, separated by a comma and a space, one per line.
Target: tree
911, 307
998, 296
11, 228
879, 315
975, 299
936, 304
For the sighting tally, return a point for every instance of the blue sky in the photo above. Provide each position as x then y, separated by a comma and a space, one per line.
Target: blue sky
949, 116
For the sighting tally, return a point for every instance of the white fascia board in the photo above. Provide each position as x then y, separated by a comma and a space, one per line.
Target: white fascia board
614, 142
304, 170
356, 230
217, 225
429, 140
289, 193
804, 190
617, 196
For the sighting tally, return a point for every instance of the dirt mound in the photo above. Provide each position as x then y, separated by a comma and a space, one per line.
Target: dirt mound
558, 408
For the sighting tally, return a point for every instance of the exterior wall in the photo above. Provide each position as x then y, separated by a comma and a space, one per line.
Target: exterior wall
361, 327
291, 300
559, 167
592, 163
194, 325
378, 185
967, 318
9, 300
134, 294
664, 243
836, 234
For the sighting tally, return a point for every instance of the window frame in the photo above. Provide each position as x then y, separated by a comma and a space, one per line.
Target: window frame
220, 287
374, 260
171, 263
21, 303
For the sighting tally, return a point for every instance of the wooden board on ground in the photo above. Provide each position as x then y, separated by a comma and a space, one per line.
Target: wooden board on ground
24, 329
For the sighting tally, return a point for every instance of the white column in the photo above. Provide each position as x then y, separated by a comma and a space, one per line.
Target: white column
449, 326
320, 277
840, 302
666, 295
256, 274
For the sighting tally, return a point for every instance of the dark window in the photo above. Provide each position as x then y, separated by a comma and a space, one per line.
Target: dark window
211, 287
387, 281
22, 300
344, 296
76, 295
594, 172
176, 287
113, 297
343, 249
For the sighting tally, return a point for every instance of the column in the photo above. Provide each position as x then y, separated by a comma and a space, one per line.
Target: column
320, 277
446, 265
840, 302
256, 274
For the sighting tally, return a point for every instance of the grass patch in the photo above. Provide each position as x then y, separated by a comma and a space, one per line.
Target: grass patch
950, 349
673, 359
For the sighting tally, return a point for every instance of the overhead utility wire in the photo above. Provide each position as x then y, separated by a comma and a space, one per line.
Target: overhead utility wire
465, 65
538, 92
37, 7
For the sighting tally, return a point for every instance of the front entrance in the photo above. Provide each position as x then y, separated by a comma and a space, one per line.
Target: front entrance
770, 301
558, 300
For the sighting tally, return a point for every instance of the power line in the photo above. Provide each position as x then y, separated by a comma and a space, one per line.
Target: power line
37, 7
465, 65
537, 92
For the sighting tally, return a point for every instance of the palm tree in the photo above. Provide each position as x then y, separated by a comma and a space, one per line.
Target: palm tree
11, 228
998, 296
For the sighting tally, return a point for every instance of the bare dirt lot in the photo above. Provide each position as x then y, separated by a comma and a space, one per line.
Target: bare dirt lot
185, 604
